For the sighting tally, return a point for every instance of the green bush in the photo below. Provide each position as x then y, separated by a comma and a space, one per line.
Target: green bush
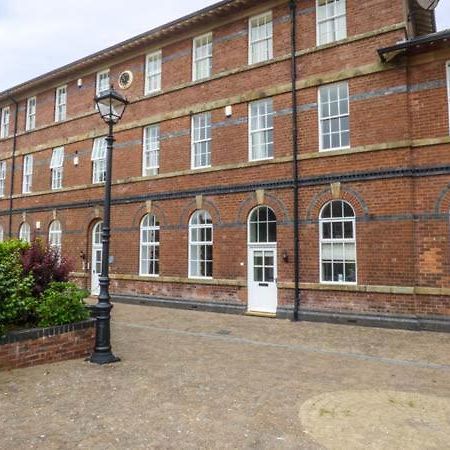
16, 300
61, 303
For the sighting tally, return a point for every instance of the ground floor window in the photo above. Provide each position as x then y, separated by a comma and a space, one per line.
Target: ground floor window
201, 245
337, 243
149, 254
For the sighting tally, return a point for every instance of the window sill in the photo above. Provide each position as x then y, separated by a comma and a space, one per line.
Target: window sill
323, 150
201, 167
339, 283
261, 159
200, 278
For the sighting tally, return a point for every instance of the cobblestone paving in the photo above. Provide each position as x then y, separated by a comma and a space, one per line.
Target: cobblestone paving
204, 381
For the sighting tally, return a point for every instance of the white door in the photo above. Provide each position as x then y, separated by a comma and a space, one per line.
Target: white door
262, 279
96, 266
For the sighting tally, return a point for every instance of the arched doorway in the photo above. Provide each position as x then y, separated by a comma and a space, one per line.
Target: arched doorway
262, 261
96, 266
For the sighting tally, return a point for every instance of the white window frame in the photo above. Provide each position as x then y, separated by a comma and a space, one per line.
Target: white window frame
344, 241
252, 41
25, 232
199, 243
98, 158
153, 78
30, 123
57, 167
99, 88
204, 61
55, 236
255, 223
330, 117
61, 103
334, 20
447, 66
200, 137
2, 234
27, 180
266, 129
4, 122
151, 144
150, 225
2, 178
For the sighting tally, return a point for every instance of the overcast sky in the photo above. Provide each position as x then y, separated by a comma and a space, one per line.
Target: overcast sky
40, 35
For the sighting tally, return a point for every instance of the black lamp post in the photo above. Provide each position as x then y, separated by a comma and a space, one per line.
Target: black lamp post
111, 107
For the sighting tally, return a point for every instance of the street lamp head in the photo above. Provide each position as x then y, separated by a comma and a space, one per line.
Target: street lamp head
111, 105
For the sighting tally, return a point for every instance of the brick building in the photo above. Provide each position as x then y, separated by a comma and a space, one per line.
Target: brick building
213, 178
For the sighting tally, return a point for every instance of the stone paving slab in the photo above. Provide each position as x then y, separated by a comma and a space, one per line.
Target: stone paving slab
200, 380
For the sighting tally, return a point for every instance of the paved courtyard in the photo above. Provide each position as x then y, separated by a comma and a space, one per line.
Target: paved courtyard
204, 381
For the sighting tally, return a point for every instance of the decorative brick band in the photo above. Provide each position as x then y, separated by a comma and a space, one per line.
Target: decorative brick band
45, 345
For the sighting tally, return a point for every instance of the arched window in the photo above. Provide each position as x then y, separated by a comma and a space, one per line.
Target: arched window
337, 243
97, 233
55, 235
149, 255
25, 232
262, 226
1, 234
201, 245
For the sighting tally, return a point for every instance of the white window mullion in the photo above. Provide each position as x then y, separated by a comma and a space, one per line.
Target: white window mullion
31, 114
151, 149
153, 72
2, 178
4, 122
98, 159
201, 141
331, 21
202, 57
27, 181
261, 130
334, 116
60, 103
260, 38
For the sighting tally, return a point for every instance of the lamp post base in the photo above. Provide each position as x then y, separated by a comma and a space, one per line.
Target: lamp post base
103, 358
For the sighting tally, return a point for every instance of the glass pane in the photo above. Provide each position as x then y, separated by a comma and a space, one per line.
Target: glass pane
350, 252
337, 209
338, 252
258, 258
337, 230
338, 275
326, 213
258, 274
263, 232
326, 230
350, 272
327, 274
268, 274
269, 259
272, 232
348, 230
327, 252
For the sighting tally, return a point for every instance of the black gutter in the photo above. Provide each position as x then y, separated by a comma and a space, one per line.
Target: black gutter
406, 45
13, 164
295, 148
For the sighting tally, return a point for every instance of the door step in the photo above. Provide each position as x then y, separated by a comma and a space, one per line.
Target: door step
260, 314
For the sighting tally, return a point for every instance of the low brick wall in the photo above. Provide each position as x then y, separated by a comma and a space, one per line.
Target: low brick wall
45, 345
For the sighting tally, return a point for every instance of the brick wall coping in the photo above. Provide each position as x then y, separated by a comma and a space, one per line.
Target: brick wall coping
36, 333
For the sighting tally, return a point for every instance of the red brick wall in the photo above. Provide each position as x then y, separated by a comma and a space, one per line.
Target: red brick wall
77, 343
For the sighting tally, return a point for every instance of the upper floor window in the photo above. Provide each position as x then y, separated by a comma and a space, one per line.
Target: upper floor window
331, 21
149, 255
2, 178
201, 245
448, 91
60, 103
25, 232
202, 57
4, 122
99, 160
31, 114
150, 157
337, 243
55, 235
2, 238
201, 140
261, 130
153, 71
27, 180
334, 119
56, 167
260, 38
102, 84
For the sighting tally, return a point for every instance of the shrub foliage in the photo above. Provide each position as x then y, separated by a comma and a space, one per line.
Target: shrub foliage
34, 287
